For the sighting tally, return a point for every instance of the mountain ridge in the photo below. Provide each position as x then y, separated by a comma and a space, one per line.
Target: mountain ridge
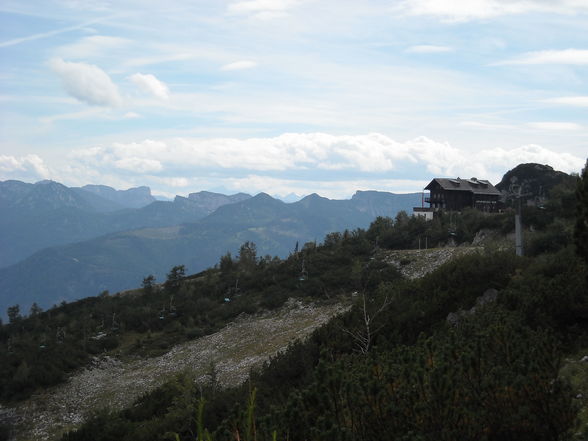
135, 197
45, 214
119, 260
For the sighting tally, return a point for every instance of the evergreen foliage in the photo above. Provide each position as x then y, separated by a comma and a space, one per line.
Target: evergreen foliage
493, 375
148, 283
174, 278
435, 359
581, 226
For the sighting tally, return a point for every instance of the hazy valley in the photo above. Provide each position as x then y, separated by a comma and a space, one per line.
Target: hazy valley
193, 231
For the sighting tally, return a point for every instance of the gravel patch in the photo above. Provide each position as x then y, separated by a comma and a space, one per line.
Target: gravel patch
414, 264
107, 382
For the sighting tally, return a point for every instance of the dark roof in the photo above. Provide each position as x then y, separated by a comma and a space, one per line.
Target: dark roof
476, 186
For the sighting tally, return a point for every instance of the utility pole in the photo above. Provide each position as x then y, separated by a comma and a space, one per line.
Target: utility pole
518, 228
518, 196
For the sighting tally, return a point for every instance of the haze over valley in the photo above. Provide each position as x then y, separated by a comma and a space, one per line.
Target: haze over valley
61, 243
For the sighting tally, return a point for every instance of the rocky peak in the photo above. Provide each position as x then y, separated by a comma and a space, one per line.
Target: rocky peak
535, 180
51, 195
136, 197
210, 201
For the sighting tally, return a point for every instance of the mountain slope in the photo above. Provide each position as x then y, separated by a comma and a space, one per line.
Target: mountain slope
535, 180
511, 320
118, 378
115, 384
46, 214
210, 201
120, 261
132, 198
44, 196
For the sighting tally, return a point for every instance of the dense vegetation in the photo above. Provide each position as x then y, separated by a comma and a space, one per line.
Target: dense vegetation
470, 352
43, 346
493, 375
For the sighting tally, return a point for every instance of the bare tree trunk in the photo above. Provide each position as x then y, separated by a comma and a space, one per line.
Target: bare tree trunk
364, 336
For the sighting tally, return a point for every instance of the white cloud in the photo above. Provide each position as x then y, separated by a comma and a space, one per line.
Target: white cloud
565, 56
465, 10
314, 154
176, 182
92, 46
290, 163
555, 125
263, 9
138, 165
428, 49
87, 83
157, 59
93, 113
443, 159
24, 167
372, 152
486, 125
578, 101
503, 159
78, 175
150, 84
239, 65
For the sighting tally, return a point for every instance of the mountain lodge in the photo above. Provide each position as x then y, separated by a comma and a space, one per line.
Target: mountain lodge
457, 194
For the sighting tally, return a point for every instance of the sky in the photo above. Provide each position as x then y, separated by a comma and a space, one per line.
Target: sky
290, 96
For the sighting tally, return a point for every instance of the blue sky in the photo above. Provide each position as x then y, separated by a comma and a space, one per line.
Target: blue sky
290, 96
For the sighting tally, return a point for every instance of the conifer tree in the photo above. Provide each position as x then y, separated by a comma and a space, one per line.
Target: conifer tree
13, 313
148, 283
174, 277
581, 228
226, 263
247, 256
35, 309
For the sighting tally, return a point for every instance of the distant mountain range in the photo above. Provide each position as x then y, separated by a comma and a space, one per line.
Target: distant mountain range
45, 214
105, 248
132, 198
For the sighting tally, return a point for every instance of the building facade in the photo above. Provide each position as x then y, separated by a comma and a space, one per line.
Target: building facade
458, 194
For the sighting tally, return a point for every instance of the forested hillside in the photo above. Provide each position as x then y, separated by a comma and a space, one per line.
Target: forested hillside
119, 261
47, 214
471, 351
